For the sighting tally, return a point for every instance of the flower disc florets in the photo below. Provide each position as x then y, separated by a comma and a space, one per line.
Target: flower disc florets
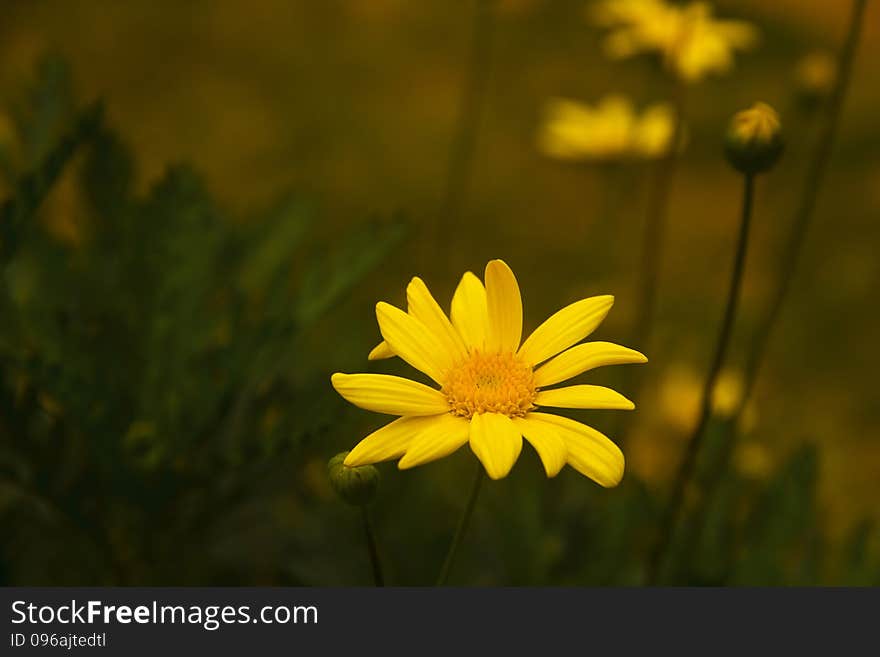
491, 383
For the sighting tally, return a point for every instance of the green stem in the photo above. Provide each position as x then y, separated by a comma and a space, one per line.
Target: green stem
651, 255
655, 228
813, 181
463, 523
467, 127
372, 548
806, 208
686, 468
648, 272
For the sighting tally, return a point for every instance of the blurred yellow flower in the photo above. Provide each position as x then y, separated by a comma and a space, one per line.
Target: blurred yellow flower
610, 131
491, 385
815, 75
690, 40
728, 393
753, 459
654, 131
681, 391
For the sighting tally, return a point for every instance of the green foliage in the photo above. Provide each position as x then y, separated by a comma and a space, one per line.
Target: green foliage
33, 187
150, 373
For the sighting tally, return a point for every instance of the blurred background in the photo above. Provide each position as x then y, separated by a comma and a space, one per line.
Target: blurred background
185, 264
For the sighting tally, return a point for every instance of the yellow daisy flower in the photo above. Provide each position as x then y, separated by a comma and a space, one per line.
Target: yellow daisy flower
690, 40
491, 387
612, 130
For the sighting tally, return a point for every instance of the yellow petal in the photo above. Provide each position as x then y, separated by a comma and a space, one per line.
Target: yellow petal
566, 327
505, 307
496, 441
470, 314
440, 437
389, 442
393, 395
546, 441
410, 339
588, 451
425, 308
584, 357
381, 351
584, 397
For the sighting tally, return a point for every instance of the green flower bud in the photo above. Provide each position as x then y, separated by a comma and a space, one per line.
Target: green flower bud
754, 139
357, 485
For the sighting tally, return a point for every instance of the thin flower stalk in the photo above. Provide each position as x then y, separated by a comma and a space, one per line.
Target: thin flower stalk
372, 547
648, 273
753, 145
803, 216
794, 246
462, 527
685, 471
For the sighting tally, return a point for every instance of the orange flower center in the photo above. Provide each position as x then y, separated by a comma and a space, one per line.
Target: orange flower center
490, 383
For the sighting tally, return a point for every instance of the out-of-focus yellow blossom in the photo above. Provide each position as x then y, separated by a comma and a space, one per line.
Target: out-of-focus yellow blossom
815, 75
728, 393
690, 40
681, 392
612, 130
610, 13
636, 26
753, 459
654, 131
727, 398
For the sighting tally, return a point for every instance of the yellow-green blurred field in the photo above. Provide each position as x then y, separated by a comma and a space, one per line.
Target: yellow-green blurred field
352, 105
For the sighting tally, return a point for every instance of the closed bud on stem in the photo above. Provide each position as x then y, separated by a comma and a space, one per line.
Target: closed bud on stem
357, 485
754, 139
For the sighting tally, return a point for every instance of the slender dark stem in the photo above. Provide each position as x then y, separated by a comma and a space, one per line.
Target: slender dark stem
788, 263
806, 208
467, 127
688, 463
372, 548
610, 177
463, 523
648, 272
648, 275
647, 278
